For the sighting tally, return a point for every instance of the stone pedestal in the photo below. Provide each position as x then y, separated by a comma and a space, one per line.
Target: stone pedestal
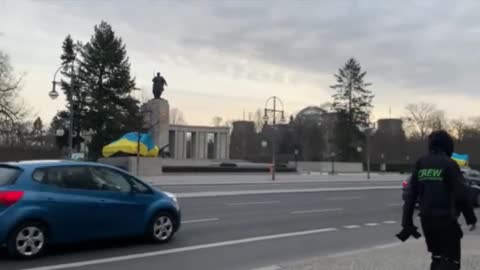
156, 113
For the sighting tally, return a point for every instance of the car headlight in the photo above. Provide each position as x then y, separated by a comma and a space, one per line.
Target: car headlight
173, 197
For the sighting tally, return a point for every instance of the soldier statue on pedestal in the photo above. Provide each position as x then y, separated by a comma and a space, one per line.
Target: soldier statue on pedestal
158, 85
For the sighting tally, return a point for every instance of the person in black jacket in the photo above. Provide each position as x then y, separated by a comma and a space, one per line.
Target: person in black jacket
438, 185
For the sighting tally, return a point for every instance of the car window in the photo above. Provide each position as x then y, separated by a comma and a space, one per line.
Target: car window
8, 175
75, 177
139, 187
110, 180
78, 178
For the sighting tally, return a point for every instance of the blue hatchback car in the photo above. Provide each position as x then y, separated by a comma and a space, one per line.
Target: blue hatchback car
44, 203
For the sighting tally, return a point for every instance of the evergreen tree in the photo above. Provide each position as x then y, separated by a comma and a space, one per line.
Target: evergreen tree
100, 69
105, 76
352, 103
352, 96
37, 127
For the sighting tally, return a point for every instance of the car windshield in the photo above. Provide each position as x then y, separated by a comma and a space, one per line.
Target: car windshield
8, 175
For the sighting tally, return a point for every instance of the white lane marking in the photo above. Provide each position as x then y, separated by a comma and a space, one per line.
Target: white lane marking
279, 191
371, 224
200, 220
390, 222
394, 204
179, 250
344, 198
252, 203
271, 267
316, 211
351, 226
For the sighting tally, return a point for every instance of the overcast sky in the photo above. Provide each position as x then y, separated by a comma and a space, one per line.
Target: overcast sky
226, 57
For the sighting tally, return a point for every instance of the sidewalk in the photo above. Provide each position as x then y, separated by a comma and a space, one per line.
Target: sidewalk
411, 255
218, 179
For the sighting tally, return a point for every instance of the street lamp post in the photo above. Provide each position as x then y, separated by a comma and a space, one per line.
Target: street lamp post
333, 155
54, 95
368, 134
274, 111
383, 165
296, 152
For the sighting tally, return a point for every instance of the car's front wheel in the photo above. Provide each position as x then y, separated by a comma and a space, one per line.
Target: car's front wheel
161, 229
27, 241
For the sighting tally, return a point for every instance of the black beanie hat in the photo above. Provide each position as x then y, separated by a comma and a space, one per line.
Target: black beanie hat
440, 141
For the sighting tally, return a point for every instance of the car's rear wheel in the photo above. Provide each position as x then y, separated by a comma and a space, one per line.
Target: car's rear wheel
162, 228
28, 240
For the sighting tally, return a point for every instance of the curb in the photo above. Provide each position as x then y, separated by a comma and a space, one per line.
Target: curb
155, 183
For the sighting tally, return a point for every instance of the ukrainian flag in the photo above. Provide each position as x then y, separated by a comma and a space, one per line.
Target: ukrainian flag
127, 144
461, 159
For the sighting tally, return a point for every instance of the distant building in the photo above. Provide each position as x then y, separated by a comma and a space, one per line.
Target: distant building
243, 139
315, 132
391, 126
311, 132
389, 142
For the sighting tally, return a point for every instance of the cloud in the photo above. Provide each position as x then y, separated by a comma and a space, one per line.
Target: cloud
425, 46
420, 47
415, 45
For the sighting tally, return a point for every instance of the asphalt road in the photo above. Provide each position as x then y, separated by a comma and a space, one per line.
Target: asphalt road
246, 232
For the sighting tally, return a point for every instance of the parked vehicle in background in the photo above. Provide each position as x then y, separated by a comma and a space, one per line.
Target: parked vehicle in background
471, 174
45, 203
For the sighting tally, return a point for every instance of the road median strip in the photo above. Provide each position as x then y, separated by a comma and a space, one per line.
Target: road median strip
279, 191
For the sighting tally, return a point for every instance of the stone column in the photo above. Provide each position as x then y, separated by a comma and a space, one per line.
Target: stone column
194, 147
171, 142
224, 145
202, 145
220, 143
180, 145
198, 142
156, 114
227, 146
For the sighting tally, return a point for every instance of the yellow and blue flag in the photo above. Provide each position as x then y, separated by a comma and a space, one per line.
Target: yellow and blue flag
128, 144
461, 159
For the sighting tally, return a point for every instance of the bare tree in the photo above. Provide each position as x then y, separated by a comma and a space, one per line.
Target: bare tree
229, 123
258, 120
176, 117
458, 127
422, 118
217, 121
10, 110
474, 122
